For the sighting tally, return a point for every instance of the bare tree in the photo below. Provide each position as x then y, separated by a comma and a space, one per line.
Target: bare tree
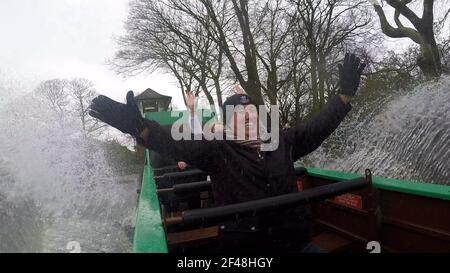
278, 52
254, 42
82, 92
159, 37
422, 34
55, 93
70, 99
293, 95
442, 30
182, 25
325, 27
207, 39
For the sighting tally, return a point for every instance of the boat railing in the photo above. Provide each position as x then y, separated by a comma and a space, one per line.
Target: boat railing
253, 208
179, 187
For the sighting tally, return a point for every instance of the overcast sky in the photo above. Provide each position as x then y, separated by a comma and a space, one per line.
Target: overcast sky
48, 39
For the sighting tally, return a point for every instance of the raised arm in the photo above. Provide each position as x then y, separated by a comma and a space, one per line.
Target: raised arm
194, 123
128, 119
307, 137
197, 153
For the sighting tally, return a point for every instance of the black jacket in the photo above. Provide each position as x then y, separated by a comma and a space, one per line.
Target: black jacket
241, 174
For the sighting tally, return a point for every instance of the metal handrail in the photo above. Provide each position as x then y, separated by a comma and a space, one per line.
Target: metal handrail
253, 208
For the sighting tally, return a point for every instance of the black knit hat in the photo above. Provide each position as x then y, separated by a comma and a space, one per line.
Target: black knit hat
235, 100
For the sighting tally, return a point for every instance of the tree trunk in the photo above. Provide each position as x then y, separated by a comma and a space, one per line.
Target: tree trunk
254, 91
82, 115
429, 60
314, 87
272, 85
210, 98
322, 79
218, 92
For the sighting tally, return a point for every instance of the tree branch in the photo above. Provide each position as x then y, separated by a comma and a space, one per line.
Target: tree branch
396, 32
405, 11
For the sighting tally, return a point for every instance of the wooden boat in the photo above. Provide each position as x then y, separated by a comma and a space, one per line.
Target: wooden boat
351, 212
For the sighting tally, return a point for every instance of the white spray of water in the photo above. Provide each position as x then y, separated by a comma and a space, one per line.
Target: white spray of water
405, 135
56, 185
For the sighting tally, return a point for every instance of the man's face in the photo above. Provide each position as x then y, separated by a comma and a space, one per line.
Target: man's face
244, 122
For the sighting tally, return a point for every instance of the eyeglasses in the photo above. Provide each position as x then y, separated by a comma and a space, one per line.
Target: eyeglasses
245, 109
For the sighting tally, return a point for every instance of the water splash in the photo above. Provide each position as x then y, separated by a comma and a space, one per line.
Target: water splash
404, 135
56, 185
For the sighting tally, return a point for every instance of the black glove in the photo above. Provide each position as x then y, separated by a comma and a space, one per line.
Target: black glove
125, 117
350, 74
